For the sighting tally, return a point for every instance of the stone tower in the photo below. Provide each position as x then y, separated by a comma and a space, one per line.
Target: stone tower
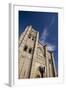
34, 60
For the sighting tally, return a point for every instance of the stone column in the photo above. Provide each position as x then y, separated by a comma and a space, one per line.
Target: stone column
46, 60
53, 65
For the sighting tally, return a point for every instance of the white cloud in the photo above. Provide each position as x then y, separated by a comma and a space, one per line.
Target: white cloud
44, 36
51, 47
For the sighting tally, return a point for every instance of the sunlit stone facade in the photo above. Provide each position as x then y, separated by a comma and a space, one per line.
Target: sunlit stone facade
34, 59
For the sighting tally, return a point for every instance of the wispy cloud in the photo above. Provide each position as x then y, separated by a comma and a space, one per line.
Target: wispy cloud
52, 21
44, 35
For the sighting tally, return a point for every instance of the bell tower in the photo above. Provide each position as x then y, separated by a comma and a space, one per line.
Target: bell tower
34, 59
27, 42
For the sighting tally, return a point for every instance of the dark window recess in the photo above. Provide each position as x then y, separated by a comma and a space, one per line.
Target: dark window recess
29, 36
33, 38
50, 61
25, 48
41, 70
30, 50
44, 51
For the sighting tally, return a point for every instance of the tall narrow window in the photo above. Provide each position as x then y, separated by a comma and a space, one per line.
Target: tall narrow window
50, 61
25, 48
45, 51
30, 50
29, 36
33, 38
42, 70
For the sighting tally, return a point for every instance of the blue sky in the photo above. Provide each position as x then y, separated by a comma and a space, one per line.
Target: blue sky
47, 25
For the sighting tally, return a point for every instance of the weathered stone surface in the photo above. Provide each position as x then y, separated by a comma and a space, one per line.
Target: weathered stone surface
32, 55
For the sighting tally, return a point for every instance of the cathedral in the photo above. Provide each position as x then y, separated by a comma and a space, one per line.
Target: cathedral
34, 59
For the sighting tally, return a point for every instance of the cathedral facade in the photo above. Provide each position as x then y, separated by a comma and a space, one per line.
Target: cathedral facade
34, 59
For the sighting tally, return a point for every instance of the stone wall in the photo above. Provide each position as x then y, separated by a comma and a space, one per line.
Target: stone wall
34, 60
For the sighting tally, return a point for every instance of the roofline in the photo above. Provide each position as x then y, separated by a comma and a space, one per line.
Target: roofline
42, 44
50, 51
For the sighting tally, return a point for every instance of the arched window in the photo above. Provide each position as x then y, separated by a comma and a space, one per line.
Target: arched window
29, 36
41, 70
25, 48
33, 38
30, 50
